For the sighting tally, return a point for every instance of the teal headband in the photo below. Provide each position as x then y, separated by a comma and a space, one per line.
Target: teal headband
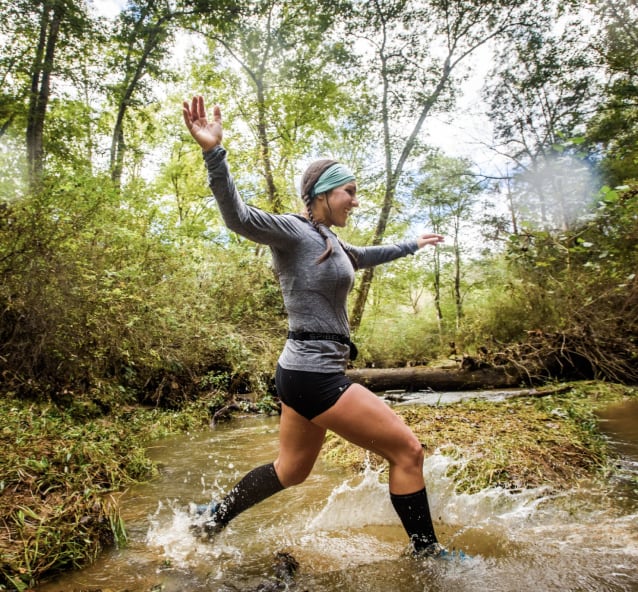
335, 175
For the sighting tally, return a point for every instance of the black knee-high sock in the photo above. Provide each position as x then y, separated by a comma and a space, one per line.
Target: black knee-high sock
255, 487
414, 512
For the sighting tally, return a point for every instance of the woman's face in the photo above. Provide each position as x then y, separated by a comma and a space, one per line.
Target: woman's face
334, 207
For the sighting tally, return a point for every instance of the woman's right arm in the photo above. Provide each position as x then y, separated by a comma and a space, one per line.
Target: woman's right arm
248, 221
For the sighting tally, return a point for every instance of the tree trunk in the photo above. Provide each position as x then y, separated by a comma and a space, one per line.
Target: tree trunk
368, 273
52, 14
458, 298
118, 148
155, 35
392, 178
419, 378
510, 202
118, 143
264, 149
437, 293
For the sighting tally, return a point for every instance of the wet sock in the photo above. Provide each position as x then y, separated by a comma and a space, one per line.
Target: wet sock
255, 487
414, 512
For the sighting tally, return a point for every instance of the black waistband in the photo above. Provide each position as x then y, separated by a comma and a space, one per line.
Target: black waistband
309, 336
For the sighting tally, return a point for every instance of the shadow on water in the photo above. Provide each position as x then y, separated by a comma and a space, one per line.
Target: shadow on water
345, 535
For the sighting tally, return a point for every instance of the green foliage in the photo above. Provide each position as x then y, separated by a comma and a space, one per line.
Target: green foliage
60, 472
584, 284
614, 127
399, 340
94, 287
502, 312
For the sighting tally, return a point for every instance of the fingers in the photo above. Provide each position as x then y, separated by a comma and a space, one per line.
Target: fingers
433, 236
186, 111
429, 238
217, 114
198, 107
197, 110
208, 134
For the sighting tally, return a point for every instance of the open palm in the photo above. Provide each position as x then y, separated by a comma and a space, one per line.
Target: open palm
207, 134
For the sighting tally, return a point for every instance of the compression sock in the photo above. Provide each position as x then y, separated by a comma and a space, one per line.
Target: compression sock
414, 512
255, 487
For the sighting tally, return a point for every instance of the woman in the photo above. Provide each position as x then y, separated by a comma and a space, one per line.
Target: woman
316, 272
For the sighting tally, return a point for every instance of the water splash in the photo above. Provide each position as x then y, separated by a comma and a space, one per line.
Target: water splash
495, 503
365, 501
345, 534
171, 530
362, 501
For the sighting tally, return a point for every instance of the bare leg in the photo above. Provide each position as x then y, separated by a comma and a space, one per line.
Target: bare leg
362, 418
300, 442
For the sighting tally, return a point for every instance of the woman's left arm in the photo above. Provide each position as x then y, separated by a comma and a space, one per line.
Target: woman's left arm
376, 255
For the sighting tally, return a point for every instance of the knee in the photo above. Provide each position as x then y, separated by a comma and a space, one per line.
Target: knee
291, 475
411, 454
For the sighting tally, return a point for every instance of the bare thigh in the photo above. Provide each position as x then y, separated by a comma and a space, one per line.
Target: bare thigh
300, 442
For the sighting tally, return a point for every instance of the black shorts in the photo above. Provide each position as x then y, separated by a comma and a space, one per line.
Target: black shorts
310, 393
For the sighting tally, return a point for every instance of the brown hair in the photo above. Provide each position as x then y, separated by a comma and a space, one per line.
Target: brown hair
308, 181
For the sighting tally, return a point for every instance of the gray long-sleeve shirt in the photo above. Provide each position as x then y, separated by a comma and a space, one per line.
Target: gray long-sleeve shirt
315, 294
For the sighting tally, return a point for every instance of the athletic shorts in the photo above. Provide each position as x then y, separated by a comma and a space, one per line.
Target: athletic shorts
310, 393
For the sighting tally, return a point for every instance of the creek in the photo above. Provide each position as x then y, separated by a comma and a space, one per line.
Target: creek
345, 535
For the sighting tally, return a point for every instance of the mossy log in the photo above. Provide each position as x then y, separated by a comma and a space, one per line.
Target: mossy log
439, 379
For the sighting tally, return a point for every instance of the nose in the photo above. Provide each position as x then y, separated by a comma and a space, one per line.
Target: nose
355, 201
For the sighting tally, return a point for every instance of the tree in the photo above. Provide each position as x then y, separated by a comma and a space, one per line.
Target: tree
414, 50
15, 46
39, 33
448, 193
289, 70
542, 92
140, 43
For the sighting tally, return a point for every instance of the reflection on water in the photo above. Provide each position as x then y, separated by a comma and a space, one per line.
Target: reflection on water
620, 423
346, 536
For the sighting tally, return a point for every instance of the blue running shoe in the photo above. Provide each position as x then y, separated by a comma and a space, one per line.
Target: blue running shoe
201, 509
438, 551
210, 527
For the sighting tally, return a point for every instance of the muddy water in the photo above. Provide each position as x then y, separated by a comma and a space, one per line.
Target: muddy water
346, 537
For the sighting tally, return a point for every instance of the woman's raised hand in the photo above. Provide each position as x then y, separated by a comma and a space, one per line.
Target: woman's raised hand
207, 134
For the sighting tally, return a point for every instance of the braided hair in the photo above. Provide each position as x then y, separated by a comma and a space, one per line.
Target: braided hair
308, 181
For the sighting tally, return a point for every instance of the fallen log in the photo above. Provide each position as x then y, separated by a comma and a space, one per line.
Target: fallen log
438, 379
